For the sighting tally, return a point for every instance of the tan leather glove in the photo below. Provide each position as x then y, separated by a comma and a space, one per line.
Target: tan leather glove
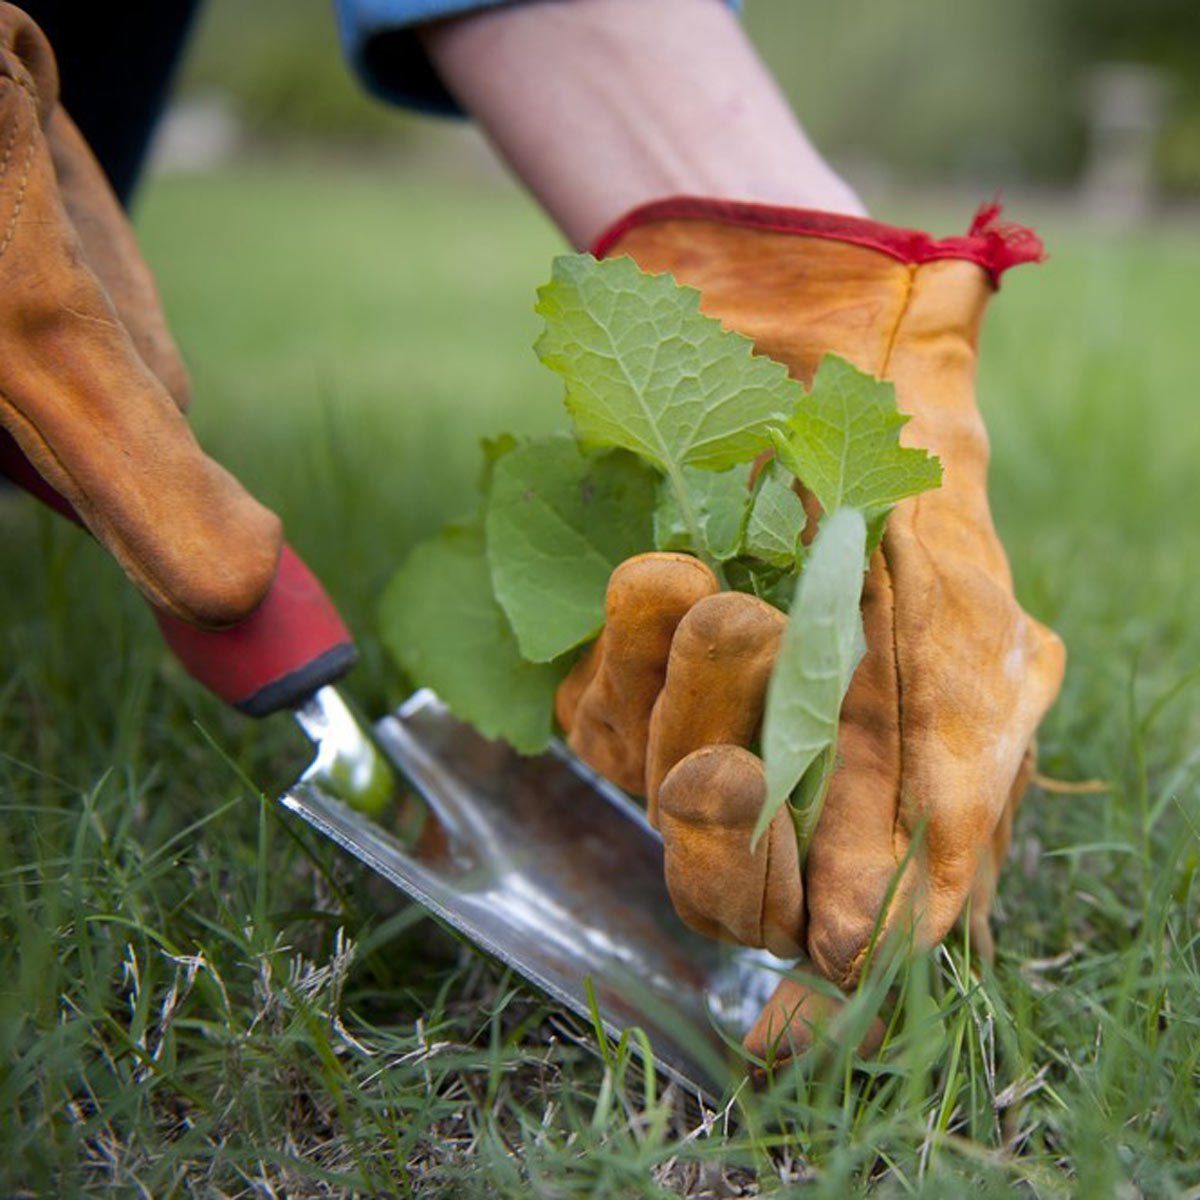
937, 728
91, 385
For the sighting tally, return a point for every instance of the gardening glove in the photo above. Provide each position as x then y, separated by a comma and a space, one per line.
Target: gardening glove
937, 728
91, 385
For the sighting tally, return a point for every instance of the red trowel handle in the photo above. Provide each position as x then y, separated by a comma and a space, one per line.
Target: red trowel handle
291, 645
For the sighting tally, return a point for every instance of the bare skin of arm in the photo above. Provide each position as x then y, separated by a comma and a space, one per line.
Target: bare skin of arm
602, 105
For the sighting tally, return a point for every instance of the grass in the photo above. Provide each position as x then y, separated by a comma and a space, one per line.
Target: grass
196, 996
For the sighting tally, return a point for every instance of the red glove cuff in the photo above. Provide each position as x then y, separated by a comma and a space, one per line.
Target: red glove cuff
993, 244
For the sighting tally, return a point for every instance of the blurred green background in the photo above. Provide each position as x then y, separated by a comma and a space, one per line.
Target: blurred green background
969, 90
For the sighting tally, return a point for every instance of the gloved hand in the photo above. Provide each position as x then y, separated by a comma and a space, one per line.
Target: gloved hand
937, 728
91, 386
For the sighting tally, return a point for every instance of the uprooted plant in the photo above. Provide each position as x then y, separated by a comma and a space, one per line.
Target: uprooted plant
669, 409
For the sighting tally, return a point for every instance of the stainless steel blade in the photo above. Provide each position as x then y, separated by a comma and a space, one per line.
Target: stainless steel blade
545, 866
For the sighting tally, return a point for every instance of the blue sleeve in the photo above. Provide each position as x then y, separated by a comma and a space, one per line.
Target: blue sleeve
380, 43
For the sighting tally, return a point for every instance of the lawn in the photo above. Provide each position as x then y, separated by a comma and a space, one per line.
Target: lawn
195, 995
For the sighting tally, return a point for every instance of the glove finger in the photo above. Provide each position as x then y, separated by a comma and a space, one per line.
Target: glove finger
720, 661
793, 1017
707, 807
579, 678
940, 791
113, 254
983, 890
617, 684
81, 403
23, 39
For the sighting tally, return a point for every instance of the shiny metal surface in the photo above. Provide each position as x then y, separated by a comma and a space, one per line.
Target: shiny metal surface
347, 763
548, 868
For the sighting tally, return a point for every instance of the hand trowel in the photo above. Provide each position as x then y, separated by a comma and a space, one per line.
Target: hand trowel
536, 861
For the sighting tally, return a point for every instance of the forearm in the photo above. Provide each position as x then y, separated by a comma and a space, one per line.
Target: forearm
602, 105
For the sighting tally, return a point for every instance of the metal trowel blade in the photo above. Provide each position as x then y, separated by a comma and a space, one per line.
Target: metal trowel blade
546, 867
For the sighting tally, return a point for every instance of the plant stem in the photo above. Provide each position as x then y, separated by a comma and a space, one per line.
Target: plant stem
692, 522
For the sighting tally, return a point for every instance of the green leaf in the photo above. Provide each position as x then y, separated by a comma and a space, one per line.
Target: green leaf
557, 524
843, 442
821, 647
774, 585
809, 797
442, 624
719, 502
647, 372
493, 450
776, 520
